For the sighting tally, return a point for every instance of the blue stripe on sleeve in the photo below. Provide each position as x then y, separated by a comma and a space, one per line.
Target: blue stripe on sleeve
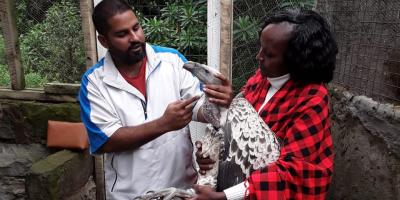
96, 137
160, 49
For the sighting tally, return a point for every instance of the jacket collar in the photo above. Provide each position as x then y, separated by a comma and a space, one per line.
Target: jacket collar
113, 78
152, 60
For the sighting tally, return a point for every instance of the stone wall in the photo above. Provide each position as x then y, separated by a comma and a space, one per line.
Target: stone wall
28, 169
366, 138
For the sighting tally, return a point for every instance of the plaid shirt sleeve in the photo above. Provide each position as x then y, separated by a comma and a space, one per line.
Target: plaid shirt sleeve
305, 166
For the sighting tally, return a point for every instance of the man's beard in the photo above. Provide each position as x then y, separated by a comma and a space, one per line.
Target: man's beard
131, 57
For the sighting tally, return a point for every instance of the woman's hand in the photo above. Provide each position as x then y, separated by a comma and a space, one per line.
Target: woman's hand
204, 192
220, 94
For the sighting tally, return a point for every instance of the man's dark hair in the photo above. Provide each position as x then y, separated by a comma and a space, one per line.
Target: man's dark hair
311, 52
105, 10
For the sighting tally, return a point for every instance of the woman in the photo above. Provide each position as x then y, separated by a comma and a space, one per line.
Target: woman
296, 58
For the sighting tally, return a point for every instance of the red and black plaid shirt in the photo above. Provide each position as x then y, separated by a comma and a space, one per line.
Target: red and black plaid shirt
298, 115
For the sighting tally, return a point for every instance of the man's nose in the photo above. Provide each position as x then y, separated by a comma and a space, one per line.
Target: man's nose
133, 37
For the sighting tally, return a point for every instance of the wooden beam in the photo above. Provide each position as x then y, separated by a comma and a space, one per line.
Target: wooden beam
89, 32
36, 95
226, 38
13, 55
62, 88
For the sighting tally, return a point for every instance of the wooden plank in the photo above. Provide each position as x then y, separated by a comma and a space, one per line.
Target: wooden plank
62, 88
89, 32
86, 7
13, 55
226, 38
35, 95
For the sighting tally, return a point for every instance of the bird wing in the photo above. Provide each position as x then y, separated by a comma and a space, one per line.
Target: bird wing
253, 145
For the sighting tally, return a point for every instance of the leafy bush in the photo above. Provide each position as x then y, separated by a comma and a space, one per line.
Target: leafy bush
54, 48
245, 29
2, 50
182, 25
5, 80
34, 80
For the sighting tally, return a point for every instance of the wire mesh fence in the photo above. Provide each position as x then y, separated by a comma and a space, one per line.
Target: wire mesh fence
51, 41
368, 35
248, 17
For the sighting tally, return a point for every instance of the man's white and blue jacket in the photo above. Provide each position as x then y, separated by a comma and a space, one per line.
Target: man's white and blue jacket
108, 103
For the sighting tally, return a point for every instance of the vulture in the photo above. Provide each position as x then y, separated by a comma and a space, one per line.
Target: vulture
237, 138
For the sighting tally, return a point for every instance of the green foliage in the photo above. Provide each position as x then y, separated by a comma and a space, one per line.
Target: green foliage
181, 25
245, 36
54, 48
2, 50
155, 30
24, 23
245, 29
5, 80
34, 80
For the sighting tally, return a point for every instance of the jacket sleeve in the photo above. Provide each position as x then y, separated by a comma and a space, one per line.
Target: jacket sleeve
305, 166
98, 116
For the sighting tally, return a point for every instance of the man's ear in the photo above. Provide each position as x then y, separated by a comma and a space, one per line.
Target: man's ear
103, 41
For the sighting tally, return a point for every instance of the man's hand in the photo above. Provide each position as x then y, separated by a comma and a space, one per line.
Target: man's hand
220, 94
178, 114
207, 193
205, 163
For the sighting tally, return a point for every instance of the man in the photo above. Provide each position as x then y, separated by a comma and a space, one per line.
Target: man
297, 56
136, 103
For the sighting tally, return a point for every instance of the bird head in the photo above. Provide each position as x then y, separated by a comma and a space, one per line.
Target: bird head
203, 72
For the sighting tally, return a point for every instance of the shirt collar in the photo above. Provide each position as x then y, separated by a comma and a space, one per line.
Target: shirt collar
278, 82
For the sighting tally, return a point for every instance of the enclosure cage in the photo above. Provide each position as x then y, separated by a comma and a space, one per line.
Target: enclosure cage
368, 36
52, 43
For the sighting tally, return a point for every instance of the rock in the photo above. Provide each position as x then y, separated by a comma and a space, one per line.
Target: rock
12, 188
59, 175
16, 159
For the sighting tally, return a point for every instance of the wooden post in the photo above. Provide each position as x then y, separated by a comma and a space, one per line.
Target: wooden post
89, 33
226, 11
13, 55
213, 33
